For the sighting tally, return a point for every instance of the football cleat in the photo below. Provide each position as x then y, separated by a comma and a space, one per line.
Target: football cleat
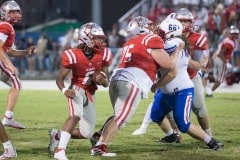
53, 141
102, 150
175, 137
214, 144
9, 153
60, 154
94, 139
139, 131
11, 122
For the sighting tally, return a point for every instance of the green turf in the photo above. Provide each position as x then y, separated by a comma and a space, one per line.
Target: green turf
39, 111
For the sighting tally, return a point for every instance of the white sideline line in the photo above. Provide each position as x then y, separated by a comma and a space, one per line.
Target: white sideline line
51, 85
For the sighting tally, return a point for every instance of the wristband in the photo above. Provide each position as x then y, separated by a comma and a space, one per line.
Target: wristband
64, 90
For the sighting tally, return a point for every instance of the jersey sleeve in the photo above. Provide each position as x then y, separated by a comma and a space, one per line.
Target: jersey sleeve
107, 57
201, 42
5, 30
67, 59
153, 41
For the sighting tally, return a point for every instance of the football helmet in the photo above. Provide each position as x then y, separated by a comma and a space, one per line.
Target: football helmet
139, 25
234, 32
8, 7
92, 35
171, 15
169, 28
185, 14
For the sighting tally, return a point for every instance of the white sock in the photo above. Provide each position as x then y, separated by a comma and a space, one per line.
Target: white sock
147, 118
207, 139
208, 91
100, 143
7, 144
169, 133
65, 137
9, 114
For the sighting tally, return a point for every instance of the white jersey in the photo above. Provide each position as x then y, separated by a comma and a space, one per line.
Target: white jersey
182, 80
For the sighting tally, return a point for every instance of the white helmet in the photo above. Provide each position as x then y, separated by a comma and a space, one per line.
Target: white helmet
169, 28
233, 30
186, 15
139, 25
6, 8
88, 32
171, 15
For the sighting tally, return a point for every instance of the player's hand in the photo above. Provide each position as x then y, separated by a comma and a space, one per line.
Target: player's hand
70, 93
100, 78
31, 50
181, 43
154, 88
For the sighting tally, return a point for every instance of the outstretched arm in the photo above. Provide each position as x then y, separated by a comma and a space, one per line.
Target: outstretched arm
19, 53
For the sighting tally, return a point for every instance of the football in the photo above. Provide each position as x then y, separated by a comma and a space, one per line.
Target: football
98, 77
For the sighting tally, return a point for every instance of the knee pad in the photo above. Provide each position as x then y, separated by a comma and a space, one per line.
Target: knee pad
87, 133
200, 112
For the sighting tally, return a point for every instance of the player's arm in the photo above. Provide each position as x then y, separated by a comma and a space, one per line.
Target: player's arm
19, 53
62, 74
105, 80
5, 60
164, 60
199, 59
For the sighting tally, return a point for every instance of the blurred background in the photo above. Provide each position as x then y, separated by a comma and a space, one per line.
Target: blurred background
51, 23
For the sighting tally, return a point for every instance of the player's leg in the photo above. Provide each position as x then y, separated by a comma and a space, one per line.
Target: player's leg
75, 113
199, 106
147, 118
146, 121
158, 115
125, 100
182, 110
15, 86
220, 70
9, 150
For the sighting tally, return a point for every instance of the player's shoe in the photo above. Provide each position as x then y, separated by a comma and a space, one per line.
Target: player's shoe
214, 144
209, 95
94, 139
139, 131
102, 150
175, 137
11, 122
53, 141
9, 153
60, 154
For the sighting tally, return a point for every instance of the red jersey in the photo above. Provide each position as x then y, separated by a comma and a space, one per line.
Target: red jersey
83, 68
136, 53
196, 41
229, 45
7, 35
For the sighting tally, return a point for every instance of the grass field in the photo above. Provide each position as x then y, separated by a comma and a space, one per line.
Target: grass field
40, 111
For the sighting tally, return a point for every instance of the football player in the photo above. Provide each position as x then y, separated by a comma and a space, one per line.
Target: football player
177, 95
142, 54
90, 56
222, 58
11, 14
199, 53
